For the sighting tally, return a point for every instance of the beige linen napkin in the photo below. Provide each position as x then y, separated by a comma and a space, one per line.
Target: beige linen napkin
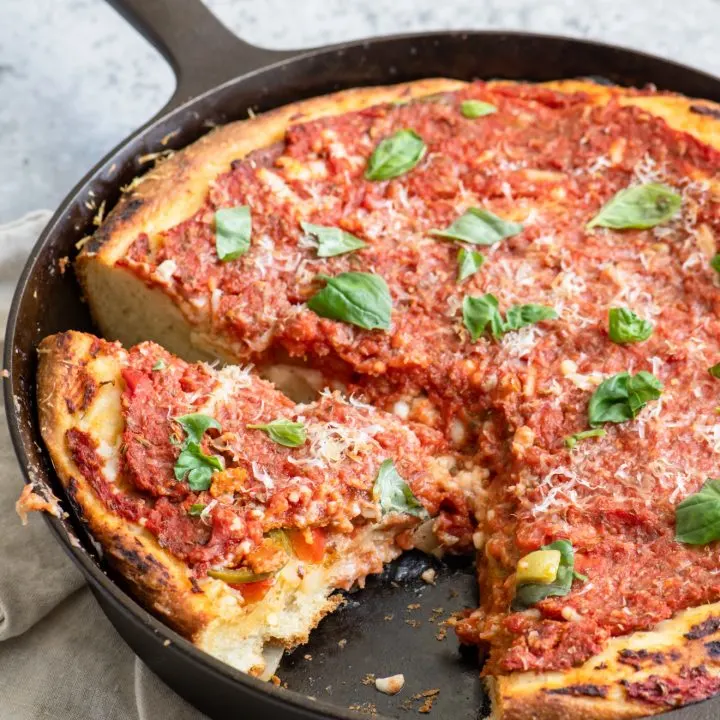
60, 659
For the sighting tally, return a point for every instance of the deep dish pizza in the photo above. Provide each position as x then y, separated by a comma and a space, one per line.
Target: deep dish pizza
528, 271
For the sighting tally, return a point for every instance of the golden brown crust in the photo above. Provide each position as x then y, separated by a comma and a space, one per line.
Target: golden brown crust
602, 687
159, 579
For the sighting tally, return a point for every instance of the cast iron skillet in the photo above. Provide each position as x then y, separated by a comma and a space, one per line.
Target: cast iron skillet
218, 79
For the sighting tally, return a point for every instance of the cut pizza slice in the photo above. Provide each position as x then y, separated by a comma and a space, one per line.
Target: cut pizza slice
234, 514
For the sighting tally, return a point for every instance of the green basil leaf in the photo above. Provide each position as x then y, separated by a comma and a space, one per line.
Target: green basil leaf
479, 227
159, 365
469, 262
697, 517
642, 388
395, 155
362, 299
640, 207
519, 316
572, 440
233, 227
626, 327
479, 313
715, 370
476, 108
196, 509
196, 424
284, 432
196, 467
332, 241
622, 396
529, 594
715, 262
394, 494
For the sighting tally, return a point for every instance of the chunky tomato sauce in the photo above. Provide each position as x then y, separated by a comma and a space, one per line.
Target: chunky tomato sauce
325, 483
548, 161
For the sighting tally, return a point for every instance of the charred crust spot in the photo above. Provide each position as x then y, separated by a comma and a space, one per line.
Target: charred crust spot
195, 587
70, 405
636, 658
585, 689
703, 629
687, 686
601, 666
705, 110
95, 347
123, 213
63, 340
713, 648
131, 557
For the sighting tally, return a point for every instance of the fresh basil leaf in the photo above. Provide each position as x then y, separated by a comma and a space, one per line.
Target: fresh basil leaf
196, 467
622, 396
196, 509
159, 365
479, 227
697, 517
529, 594
332, 241
476, 108
362, 299
233, 227
479, 313
469, 262
196, 424
625, 326
572, 440
715, 262
284, 432
715, 370
640, 207
642, 388
395, 155
394, 494
519, 316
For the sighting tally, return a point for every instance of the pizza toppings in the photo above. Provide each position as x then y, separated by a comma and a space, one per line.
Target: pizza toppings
621, 397
697, 518
158, 366
479, 227
233, 227
715, 370
626, 327
395, 156
332, 241
193, 465
472, 109
284, 432
469, 262
540, 566
359, 298
572, 440
640, 207
394, 494
546, 573
482, 313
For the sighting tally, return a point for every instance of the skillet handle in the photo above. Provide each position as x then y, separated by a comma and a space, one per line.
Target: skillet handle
202, 52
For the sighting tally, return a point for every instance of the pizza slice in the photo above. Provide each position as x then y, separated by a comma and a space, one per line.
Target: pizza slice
233, 513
